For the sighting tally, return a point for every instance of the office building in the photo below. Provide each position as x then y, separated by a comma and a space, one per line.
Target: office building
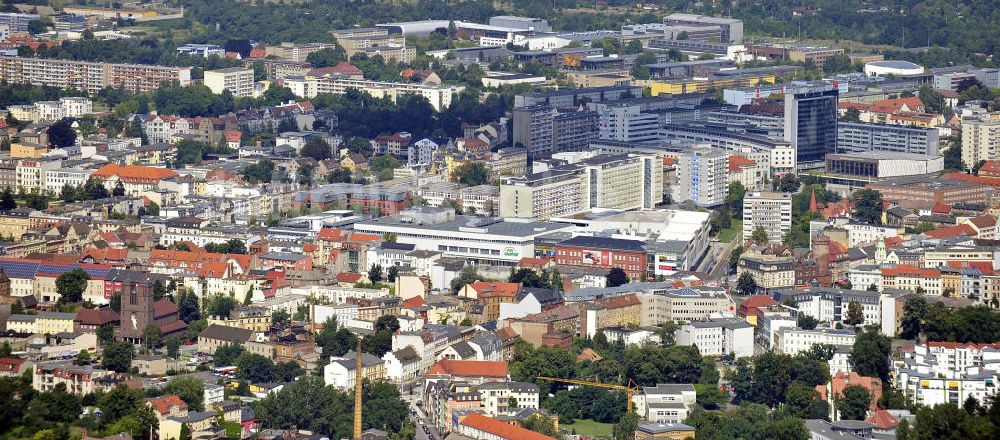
768, 210
858, 169
989, 77
309, 86
543, 130
980, 138
702, 174
620, 182
793, 340
627, 123
89, 76
718, 337
573, 131
830, 305
928, 190
16, 22
525, 23
682, 305
858, 137
811, 124
936, 373
202, 50
479, 240
296, 52
731, 29
574, 97
238, 80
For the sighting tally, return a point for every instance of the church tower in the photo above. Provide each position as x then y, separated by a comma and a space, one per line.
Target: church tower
136, 310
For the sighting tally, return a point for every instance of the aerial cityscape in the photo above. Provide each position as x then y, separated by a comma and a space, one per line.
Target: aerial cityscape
499, 219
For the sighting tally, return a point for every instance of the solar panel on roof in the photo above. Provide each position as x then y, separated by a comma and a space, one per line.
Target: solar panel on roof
19, 269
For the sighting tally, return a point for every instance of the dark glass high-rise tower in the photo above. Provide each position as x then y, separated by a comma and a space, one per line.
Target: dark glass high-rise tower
811, 123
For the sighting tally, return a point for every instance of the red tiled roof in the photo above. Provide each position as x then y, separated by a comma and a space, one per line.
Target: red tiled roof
342, 68
858, 105
913, 103
737, 161
500, 429
984, 221
413, 302
668, 160
617, 302
233, 135
883, 420
163, 307
330, 234
469, 368
904, 270
163, 404
494, 288
96, 317
990, 166
951, 231
133, 172
941, 208
893, 242
756, 301
534, 263
346, 277
991, 181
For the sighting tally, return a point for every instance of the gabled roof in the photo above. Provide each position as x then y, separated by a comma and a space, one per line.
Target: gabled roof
133, 172
736, 162
224, 333
463, 368
984, 221
163, 404
495, 288
500, 429
96, 317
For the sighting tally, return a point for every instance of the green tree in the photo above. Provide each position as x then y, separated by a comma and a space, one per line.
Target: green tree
61, 134
616, 277
852, 114
221, 305
746, 284
854, 403
173, 346
392, 273
7, 201
382, 167
187, 305
117, 356
806, 403
280, 317
259, 172
152, 336
870, 354
71, 285
375, 273
316, 148
472, 173
189, 389
855, 314
868, 206
626, 426
226, 354
465, 276
759, 235
806, 322
82, 358
106, 333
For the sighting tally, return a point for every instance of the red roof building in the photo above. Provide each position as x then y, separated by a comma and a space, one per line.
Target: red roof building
478, 426
990, 168
474, 371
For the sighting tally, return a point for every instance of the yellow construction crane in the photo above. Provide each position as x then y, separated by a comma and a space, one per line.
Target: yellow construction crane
629, 389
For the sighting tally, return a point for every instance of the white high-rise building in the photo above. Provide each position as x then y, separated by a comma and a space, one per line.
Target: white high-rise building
702, 175
771, 211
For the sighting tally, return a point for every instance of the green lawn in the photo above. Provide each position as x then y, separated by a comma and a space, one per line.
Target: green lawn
727, 235
588, 428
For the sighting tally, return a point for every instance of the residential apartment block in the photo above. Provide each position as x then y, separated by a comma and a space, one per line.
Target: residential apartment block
767, 210
980, 138
621, 182
238, 80
89, 76
935, 373
307, 86
717, 337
